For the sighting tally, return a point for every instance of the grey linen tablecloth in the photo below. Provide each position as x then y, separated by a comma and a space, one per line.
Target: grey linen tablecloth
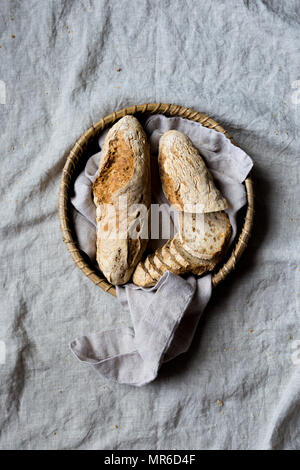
164, 318
237, 61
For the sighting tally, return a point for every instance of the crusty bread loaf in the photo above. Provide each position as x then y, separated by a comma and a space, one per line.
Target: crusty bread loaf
203, 237
123, 181
186, 181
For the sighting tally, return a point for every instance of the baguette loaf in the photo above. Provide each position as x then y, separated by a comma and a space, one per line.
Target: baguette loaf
121, 185
186, 181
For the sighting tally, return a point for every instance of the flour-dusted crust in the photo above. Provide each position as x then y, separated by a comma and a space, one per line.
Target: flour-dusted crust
124, 172
185, 179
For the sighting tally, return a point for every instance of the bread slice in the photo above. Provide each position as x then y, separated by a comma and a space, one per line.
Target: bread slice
170, 259
141, 276
177, 255
197, 266
205, 236
152, 269
164, 261
122, 183
186, 181
159, 263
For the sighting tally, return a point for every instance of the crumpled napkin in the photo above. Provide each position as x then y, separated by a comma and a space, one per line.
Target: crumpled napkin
164, 320
164, 317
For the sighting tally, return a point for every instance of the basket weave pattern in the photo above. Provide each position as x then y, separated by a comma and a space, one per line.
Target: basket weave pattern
78, 152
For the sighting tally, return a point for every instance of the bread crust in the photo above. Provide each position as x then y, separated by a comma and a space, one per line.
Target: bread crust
186, 181
122, 182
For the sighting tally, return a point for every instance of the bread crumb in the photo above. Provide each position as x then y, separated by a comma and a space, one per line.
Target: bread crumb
118, 69
60, 391
54, 433
13, 36
220, 403
251, 331
116, 426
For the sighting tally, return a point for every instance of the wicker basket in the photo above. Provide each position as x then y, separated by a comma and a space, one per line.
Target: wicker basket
78, 156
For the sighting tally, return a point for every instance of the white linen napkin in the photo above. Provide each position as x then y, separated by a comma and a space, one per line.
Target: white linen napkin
164, 317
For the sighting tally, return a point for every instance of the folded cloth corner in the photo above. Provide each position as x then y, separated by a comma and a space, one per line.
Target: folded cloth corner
163, 327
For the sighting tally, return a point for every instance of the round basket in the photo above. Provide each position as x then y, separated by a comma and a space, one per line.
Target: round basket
77, 157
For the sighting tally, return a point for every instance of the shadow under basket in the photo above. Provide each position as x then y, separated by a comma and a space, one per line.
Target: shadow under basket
86, 145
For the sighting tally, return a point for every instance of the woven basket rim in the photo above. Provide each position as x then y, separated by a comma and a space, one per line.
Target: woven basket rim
78, 151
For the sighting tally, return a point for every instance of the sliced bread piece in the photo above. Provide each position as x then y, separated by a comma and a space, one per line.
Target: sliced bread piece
171, 257
141, 276
205, 236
